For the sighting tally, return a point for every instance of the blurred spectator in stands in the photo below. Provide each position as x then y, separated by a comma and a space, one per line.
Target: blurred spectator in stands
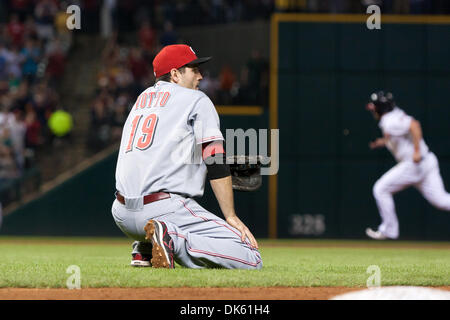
21, 7
33, 138
10, 61
18, 131
99, 132
56, 62
168, 36
119, 115
147, 38
15, 30
21, 94
122, 79
44, 102
44, 13
254, 81
14, 61
243, 96
30, 28
3, 64
139, 67
209, 86
227, 79
110, 53
8, 167
31, 55
4, 88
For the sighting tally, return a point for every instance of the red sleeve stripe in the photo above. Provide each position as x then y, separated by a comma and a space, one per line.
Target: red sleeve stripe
212, 148
210, 138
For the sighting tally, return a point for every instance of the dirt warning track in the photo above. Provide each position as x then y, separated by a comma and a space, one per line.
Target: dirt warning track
256, 293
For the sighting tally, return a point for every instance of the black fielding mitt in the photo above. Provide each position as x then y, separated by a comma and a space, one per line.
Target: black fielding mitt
246, 172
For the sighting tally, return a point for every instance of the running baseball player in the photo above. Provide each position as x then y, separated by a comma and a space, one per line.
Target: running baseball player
417, 166
170, 143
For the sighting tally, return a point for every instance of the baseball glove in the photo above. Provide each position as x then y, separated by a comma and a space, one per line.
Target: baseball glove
246, 172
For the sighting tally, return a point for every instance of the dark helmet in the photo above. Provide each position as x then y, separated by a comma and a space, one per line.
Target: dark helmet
384, 102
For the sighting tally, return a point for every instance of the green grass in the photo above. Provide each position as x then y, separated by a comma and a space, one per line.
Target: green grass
42, 262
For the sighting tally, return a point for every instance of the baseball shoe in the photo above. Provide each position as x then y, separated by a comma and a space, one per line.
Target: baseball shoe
377, 235
162, 251
139, 260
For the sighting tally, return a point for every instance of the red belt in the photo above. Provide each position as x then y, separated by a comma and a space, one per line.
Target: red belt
147, 199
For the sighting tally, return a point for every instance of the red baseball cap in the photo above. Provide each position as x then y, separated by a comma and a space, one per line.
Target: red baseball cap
175, 56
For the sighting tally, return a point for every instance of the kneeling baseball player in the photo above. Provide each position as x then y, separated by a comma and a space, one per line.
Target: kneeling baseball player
158, 175
417, 166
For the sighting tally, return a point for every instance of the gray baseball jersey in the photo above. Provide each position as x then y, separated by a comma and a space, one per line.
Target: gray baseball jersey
161, 151
161, 142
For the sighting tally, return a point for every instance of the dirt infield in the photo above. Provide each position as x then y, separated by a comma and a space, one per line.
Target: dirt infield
269, 293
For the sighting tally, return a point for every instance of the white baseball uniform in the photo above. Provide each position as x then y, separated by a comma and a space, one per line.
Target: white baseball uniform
160, 150
425, 175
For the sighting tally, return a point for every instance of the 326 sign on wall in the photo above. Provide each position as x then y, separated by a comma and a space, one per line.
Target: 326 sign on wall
307, 224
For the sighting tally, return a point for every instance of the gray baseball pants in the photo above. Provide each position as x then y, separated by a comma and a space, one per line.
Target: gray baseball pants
201, 239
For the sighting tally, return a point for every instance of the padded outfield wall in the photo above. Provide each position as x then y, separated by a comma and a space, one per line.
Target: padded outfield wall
323, 69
